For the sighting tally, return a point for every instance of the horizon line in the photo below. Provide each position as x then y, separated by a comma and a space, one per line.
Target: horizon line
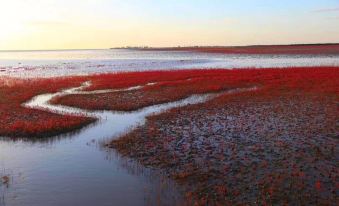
155, 47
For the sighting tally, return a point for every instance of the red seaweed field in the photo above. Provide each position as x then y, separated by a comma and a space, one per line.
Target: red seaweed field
167, 86
274, 145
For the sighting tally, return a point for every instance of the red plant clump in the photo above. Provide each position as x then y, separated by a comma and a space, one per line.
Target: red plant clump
265, 49
17, 121
274, 146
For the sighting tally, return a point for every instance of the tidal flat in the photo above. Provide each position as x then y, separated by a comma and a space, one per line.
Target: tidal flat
199, 136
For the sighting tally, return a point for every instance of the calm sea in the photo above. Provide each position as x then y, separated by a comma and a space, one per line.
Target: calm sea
82, 62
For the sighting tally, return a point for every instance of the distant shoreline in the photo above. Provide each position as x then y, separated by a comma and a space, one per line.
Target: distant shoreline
288, 49
183, 48
325, 48
215, 46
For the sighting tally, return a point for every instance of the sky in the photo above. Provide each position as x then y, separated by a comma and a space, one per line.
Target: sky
85, 24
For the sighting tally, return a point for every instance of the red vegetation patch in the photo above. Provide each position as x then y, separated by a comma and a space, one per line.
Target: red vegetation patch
274, 146
175, 85
269, 49
170, 86
17, 121
128, 79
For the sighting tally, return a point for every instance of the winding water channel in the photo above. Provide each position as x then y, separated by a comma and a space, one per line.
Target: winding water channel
73, 169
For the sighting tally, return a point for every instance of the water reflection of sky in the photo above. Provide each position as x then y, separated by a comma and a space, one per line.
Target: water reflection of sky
72, 170
75, 62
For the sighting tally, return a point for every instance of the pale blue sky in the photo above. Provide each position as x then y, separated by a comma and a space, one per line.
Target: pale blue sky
63, 24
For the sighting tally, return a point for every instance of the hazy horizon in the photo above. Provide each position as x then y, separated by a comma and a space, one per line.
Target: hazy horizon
104, 24
131, 47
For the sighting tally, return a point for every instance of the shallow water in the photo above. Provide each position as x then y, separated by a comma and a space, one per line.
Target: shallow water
82, 62
72, 169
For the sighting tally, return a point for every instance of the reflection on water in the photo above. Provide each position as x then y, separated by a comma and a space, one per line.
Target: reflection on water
72, 170
82, 62
5, 181
55, 174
